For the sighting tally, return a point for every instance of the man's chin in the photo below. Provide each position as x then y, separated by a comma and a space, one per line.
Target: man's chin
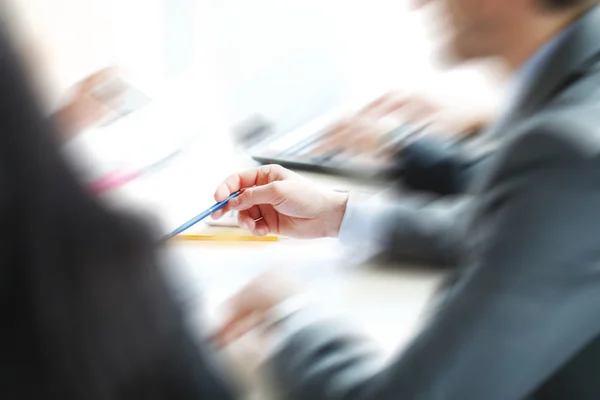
450, 55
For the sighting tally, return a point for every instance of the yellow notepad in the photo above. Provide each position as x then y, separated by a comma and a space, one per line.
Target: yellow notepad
204, 232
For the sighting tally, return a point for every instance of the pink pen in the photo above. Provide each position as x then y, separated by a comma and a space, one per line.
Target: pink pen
113, 181
117, 179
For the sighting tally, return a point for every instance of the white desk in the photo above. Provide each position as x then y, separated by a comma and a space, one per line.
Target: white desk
385, 303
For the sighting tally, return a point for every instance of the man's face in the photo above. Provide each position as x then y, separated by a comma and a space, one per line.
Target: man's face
475, 28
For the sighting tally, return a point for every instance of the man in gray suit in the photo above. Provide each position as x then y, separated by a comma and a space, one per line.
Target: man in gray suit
519, 318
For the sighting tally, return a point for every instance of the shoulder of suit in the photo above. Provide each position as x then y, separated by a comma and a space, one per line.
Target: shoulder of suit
556, 138
563, 134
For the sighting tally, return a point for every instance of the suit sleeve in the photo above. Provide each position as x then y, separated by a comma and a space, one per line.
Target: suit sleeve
405, 230
434, 165
526, 301
430, 234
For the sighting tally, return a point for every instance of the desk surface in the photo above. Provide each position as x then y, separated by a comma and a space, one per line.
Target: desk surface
383, 302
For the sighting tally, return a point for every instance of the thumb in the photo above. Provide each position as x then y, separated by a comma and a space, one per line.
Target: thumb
270, 193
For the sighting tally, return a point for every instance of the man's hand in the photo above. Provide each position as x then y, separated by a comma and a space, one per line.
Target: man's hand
278, 201
364, 131
248, 309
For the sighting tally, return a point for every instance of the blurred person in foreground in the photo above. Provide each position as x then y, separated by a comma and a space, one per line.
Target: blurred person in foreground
86, 311
519, 317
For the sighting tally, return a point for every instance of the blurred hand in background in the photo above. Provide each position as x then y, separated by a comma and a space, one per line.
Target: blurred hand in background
366, 130
249, 308
89, 102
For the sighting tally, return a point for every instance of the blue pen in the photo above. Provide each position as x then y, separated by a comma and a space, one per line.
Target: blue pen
201, 216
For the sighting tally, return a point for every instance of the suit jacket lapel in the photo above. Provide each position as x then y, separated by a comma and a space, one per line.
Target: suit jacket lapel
573, 56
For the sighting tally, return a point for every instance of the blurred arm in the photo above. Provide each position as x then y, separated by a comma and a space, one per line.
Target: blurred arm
430, 233
407, 232
433, 164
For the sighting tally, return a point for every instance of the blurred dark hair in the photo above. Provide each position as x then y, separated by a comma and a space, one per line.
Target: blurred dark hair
87, 312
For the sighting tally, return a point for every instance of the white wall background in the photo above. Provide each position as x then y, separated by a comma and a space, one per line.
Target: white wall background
248, 54
287, 56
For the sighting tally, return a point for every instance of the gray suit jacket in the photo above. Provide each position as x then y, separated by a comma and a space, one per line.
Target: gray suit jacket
520, 317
